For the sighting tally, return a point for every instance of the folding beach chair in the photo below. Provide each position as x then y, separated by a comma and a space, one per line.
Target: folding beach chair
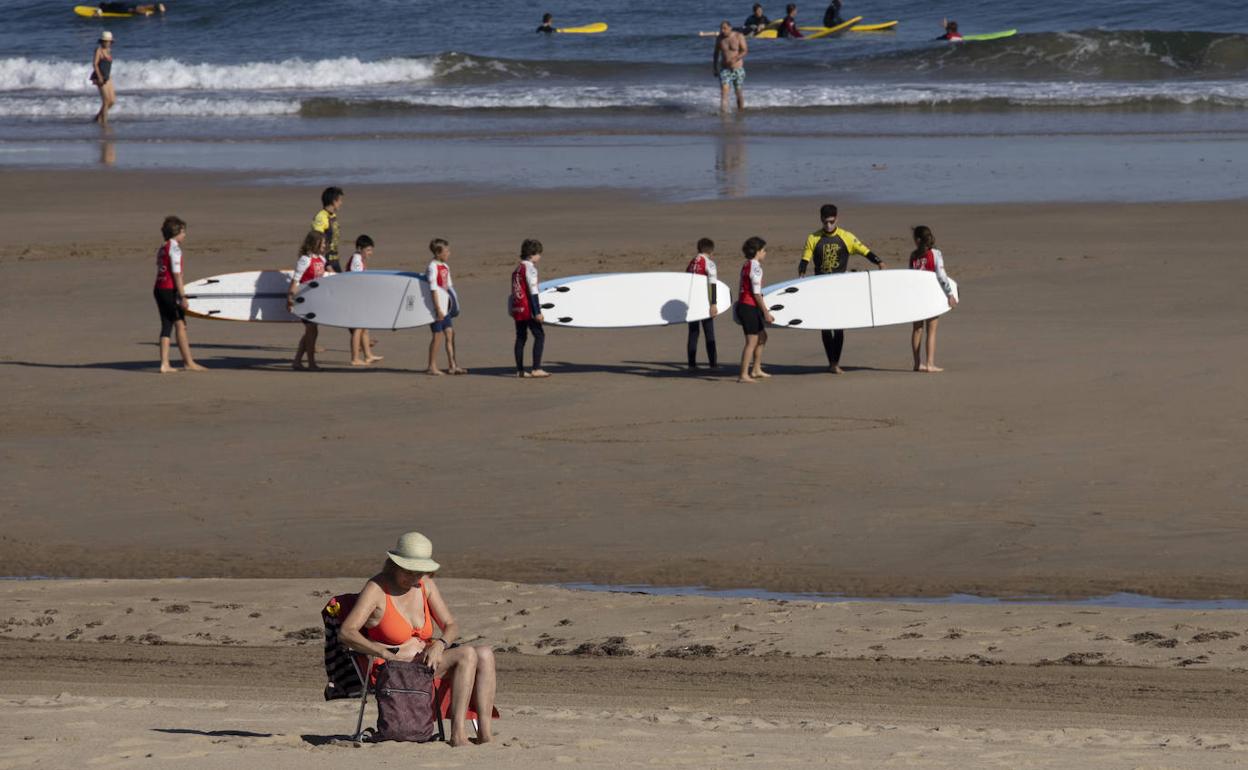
350, 674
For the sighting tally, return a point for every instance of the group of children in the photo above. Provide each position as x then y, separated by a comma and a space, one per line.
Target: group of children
828, 249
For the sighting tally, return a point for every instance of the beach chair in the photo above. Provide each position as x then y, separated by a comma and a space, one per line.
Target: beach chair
350, 675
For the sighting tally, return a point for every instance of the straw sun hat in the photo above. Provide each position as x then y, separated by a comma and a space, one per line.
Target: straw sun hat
413, 552
106, 37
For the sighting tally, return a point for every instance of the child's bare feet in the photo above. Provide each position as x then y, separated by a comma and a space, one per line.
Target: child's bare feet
165, 369
435, 372
760, 374
320, 349
298, 366
920, 367
459, 740
522, 375
750, 380
355, 362
932, 369
458, 370
374, 359
539, 373
193, 367
312, 367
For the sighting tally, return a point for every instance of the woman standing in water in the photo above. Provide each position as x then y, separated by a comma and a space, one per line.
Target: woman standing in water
102, 76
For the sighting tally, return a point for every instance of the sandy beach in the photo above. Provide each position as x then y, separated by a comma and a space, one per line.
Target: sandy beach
1085, 439
209, 673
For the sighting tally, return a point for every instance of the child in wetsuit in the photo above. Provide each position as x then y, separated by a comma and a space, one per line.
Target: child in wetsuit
309, 267
526, 310
170, 295
927, 257
446, 303
752, 311
548, 24
361, 342
702, 264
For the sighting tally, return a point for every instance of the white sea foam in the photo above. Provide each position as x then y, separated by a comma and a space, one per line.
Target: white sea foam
147, 107
22, 74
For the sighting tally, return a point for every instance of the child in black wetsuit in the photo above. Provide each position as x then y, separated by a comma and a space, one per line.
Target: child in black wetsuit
548, 24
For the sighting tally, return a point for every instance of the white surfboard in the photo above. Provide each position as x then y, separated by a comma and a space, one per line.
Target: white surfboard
259, 295
857, 300
373, 299
623, 300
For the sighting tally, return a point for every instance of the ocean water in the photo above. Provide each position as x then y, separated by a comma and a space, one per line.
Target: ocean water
242, 70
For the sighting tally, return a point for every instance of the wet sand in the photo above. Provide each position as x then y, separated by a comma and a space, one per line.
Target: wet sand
1083, 440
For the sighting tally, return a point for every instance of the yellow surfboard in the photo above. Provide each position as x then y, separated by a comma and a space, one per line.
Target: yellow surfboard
833, 30
881, 27
93, 12
587, 29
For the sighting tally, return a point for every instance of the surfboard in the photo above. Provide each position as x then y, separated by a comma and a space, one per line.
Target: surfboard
625, 300
988, 36
857, 300
587, 29
259, 295
833, 30
883, 26
93, 12
373, 299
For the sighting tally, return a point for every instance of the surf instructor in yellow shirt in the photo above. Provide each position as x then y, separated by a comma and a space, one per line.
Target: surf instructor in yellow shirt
326, 222
829, 249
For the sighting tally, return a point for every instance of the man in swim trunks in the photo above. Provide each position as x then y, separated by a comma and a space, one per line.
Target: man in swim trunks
756, 22
326, 222
829, 248
728, 64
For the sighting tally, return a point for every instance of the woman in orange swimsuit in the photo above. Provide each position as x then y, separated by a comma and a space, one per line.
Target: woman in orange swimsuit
380, 624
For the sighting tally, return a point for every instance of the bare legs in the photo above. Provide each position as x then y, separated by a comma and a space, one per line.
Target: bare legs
108, 97
916, 340
752, 358
307, 346
723, 98
472, 680
184, 347
362, 348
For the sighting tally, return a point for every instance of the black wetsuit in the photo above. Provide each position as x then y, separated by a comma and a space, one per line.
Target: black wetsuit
755, 24
547, 28
832, 16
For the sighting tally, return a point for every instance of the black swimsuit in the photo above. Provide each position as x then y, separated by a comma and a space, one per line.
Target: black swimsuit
106, 71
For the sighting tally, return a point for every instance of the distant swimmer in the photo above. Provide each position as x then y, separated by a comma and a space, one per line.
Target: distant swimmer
756, 22
728, 64
102, 76
788, 27
149, 9
548, 24
832, 16
951, 31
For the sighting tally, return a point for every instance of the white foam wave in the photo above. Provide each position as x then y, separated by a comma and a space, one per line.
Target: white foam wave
147, 107
22, 74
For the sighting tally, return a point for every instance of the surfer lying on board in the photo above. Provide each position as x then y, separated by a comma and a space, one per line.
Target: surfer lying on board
149, 9
927, 257
547, 25
728, 64
756, 22
309, 267
752, 312
788, 27
526, 309
703, 264
830, 248
446, 304
951, 31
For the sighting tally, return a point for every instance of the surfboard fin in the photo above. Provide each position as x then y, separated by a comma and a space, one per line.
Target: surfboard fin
548, 306
310, 316
795, 322
562, 288
565, 319
298, 300
777, 307
314, 284
790, 290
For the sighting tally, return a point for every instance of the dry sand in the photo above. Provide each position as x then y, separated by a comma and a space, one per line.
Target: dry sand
1087, 436
787, 684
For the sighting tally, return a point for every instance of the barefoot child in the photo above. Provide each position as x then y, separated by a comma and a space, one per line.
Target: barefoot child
446, 303
361, 343
309, 267
171, 295
525, 308
702, 264
752, 312
927, 257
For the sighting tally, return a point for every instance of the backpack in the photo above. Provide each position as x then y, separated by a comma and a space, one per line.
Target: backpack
405, 702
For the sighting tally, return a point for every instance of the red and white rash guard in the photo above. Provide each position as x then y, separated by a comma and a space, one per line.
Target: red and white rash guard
933, 261
168, 264
356, 263
439, 275
751, 282
309, 268
523, 290
703, 265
